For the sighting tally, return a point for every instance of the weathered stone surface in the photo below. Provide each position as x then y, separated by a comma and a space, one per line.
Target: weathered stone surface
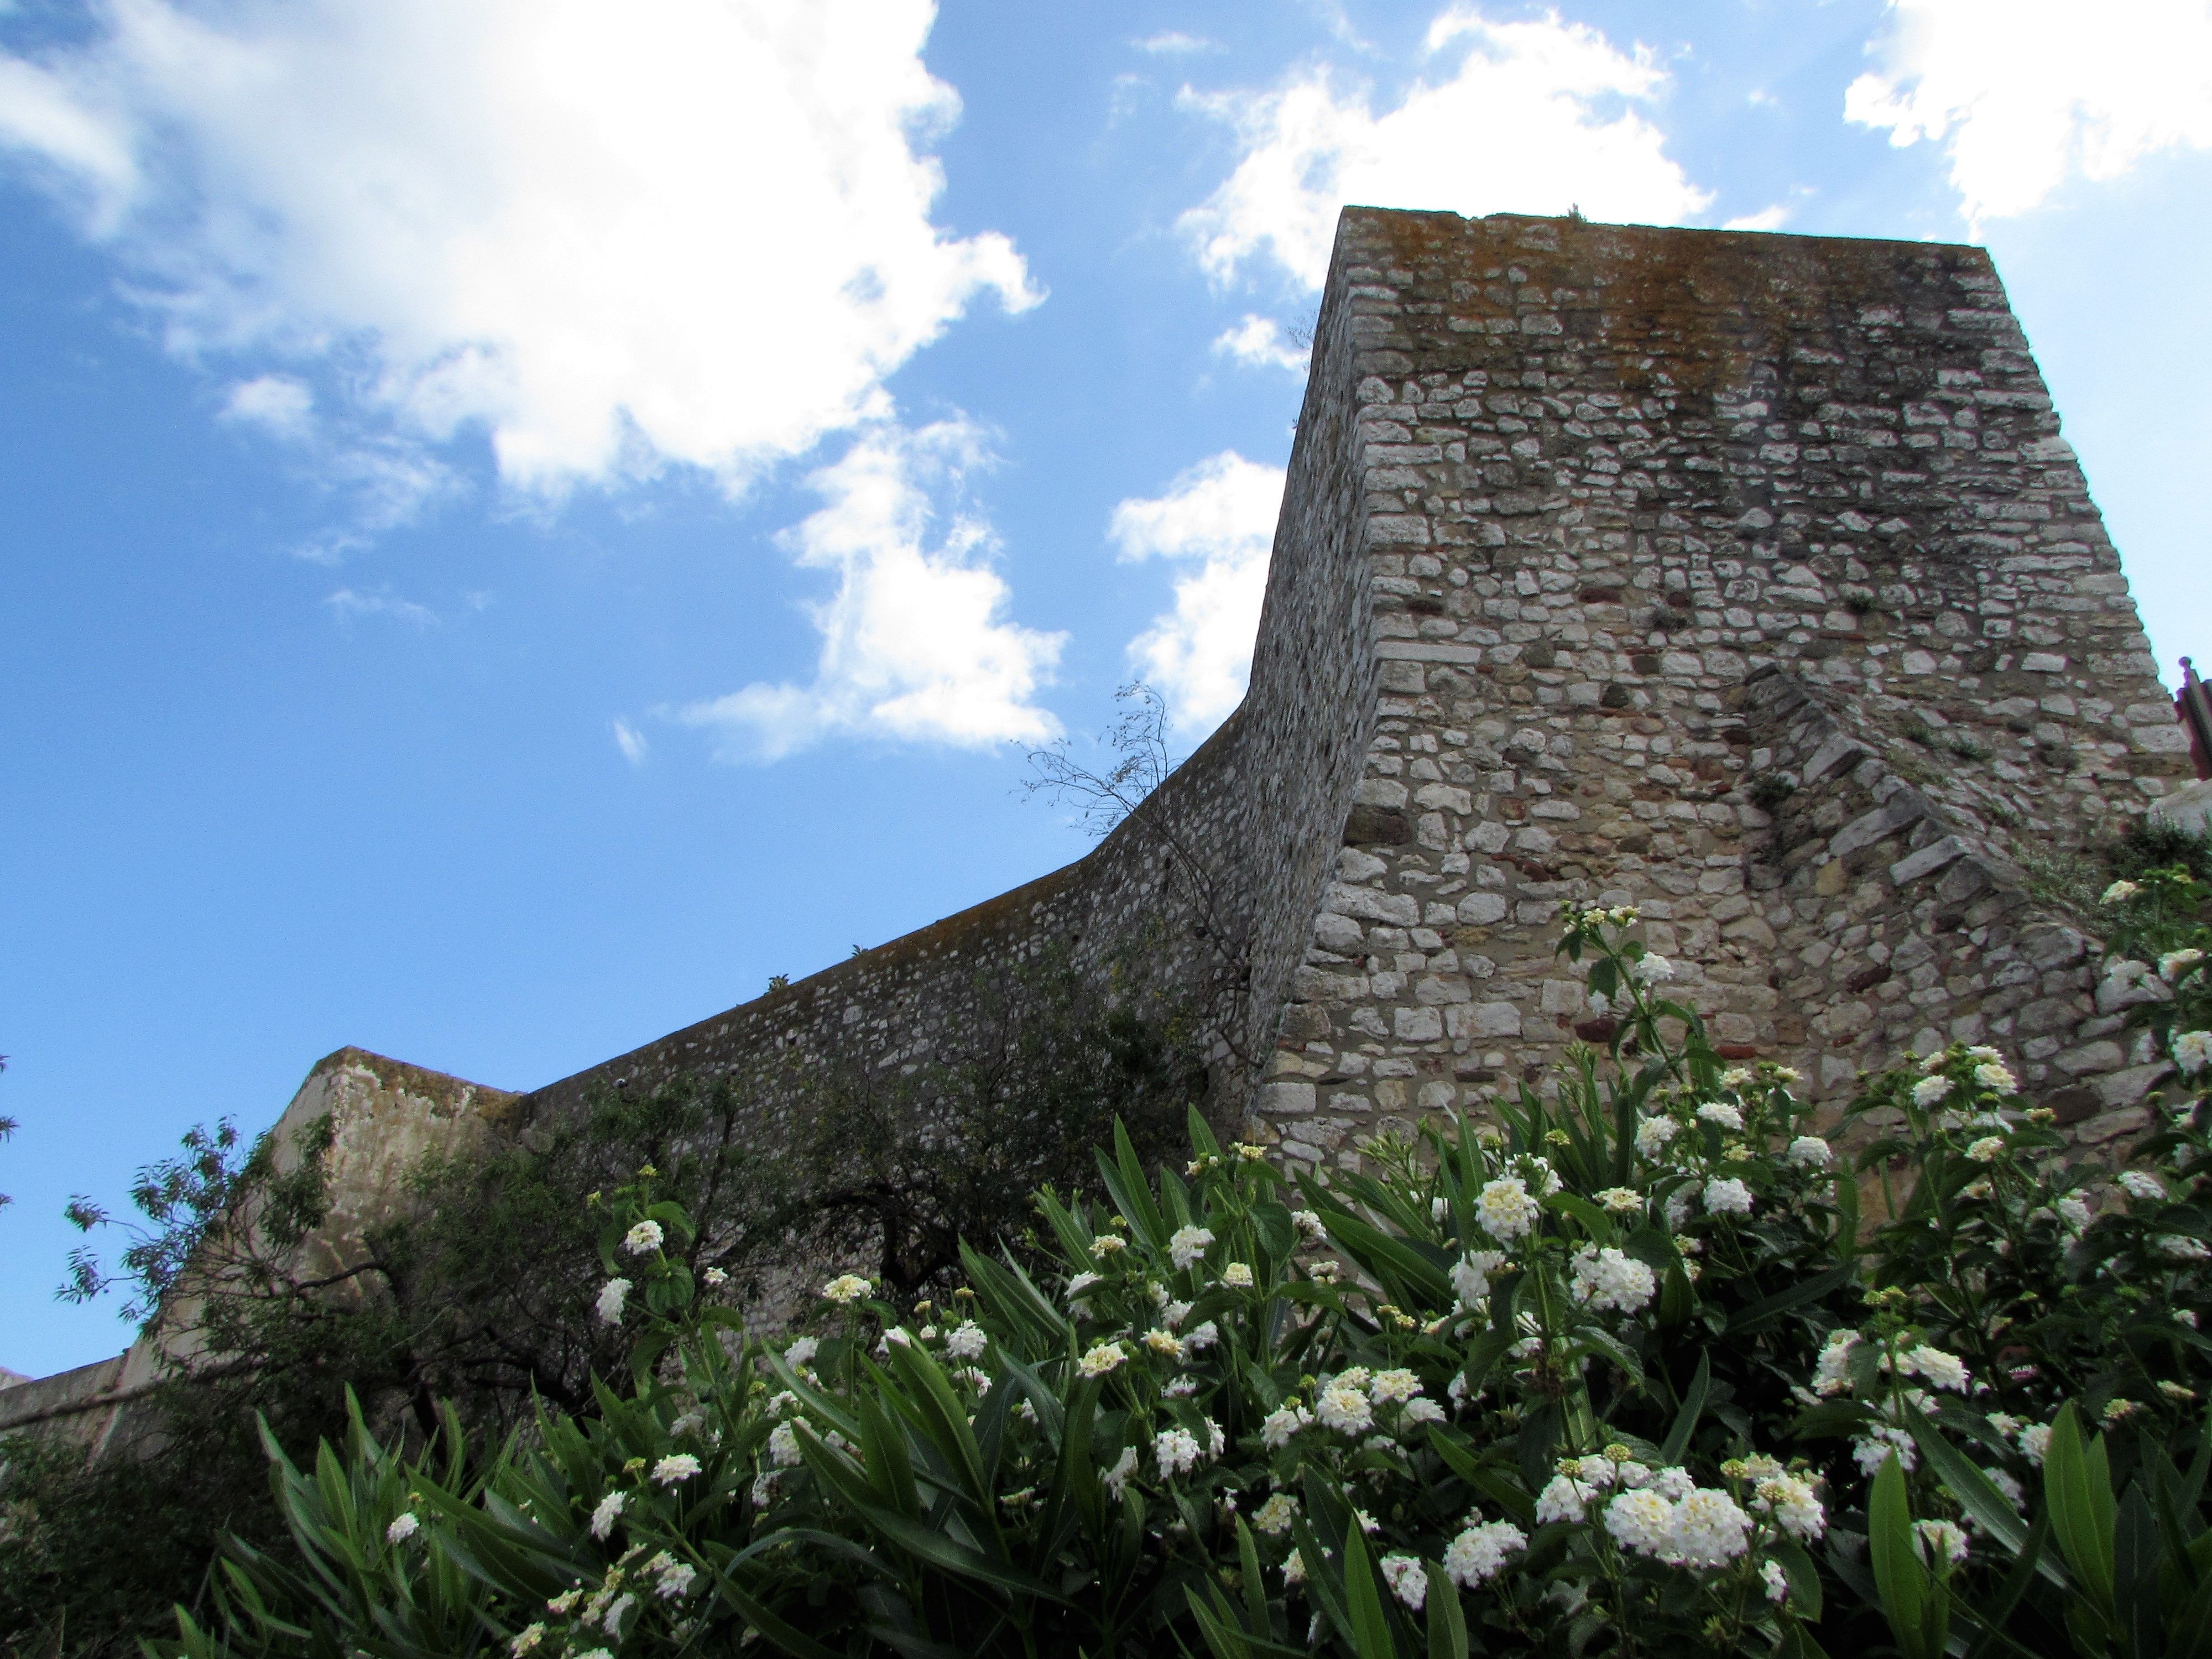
385, 1115
1746, 578
1705, 510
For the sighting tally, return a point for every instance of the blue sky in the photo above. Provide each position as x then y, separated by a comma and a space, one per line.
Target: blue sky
523, 519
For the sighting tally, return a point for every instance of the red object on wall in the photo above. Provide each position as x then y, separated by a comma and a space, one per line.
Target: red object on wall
2194, 706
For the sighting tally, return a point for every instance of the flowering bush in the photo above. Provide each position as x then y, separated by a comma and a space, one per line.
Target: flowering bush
1627, 1370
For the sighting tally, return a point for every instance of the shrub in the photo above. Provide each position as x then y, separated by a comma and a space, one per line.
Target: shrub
480, 1293
1635, 1369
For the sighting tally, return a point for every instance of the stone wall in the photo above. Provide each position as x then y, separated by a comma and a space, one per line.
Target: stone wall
382, 1116
1742, 577
1229, 855
1663, 522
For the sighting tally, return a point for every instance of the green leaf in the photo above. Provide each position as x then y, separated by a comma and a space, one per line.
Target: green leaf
1748, 1319
1847, 1213
949, 1429
1201, 1133
1906, 1592
890, 1471
1447, 1626
2189, 1631
1323, 1587
2079, 1493
1383, 1256
1804, 1576
2135, 1572
767, 1624
1255, 1587
1797, 1643
1694, 1404
1279, 1234
1371, 1629
1011, 1293
1134, 1196
1075, 1479
1595, 1221
1990, 1509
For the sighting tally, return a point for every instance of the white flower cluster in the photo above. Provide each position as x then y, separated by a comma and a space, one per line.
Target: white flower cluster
605, 1513
1726, 1195
1791, 1501
1470, 1278
1704, 1528
1831, 1373
1811, 1152
1505, 1209
673, 1579
1278, 1427
612, 1295
1189, 1245
783, 1446
1665, 1515
1102, 1358
1178, 1451
2193, 1050
1342, 1404
1943, 1371
1408, 1578
1942, 1541
1607, 1279
1872, 1450
1479, 1552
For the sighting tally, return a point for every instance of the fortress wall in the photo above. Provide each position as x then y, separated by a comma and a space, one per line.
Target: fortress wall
919, 997
1260, 808
383, 1116
1611, 474
1595, 537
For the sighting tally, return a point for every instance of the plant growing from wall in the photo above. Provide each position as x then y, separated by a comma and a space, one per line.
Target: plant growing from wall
1205, 891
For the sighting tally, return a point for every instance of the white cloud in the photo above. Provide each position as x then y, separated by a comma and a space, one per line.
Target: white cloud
1174, 43
2025, 93
1537, 117
1773, 217
630, 741
349, 605
1261, 343
611, 238
915, 642
1220, 515
280, 405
